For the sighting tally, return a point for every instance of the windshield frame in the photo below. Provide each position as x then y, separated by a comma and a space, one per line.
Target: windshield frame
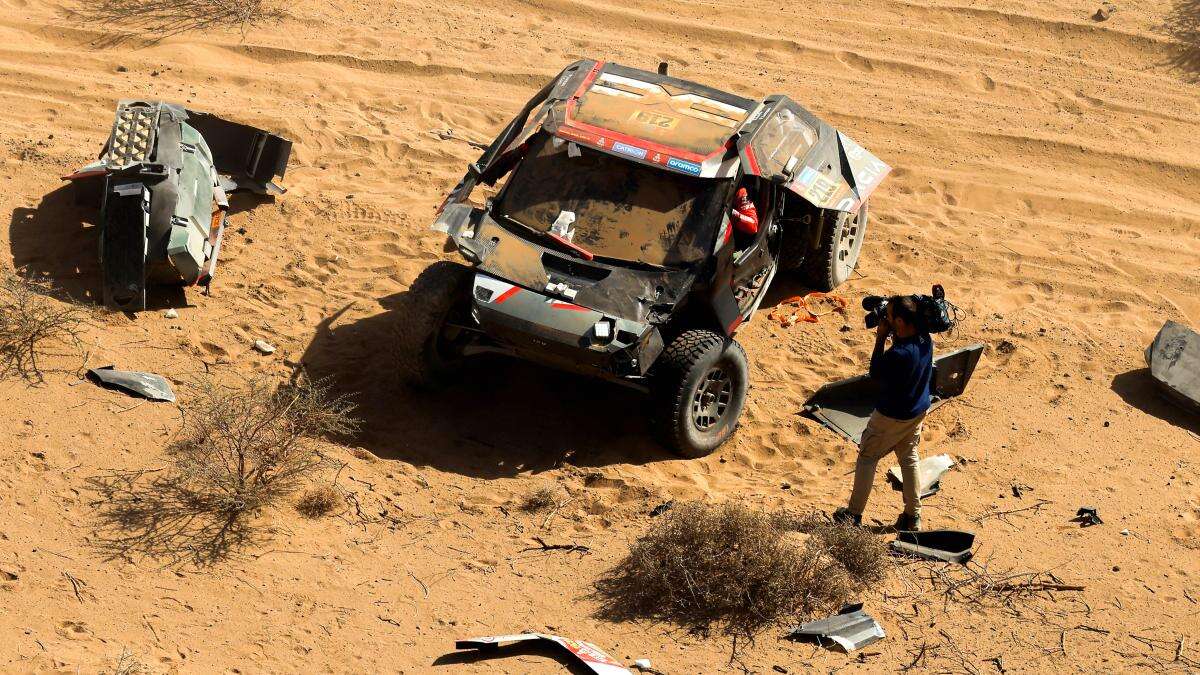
678, 243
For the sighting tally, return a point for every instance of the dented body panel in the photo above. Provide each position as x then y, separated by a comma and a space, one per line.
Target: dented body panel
161, 183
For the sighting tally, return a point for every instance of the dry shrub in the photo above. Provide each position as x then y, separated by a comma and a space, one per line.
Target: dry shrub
539, 498
319, 501
33, 322
157, 19
726, 567
243, 447
863, 555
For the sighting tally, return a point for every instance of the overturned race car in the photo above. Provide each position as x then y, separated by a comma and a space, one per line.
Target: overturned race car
161, 183
641, 222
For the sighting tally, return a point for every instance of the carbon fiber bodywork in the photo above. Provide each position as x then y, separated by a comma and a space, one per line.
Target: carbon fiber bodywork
161, 184
563, 334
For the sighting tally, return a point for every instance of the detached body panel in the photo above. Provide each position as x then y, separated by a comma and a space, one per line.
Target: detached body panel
161, 189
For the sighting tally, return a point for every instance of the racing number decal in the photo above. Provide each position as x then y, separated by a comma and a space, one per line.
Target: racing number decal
654, 119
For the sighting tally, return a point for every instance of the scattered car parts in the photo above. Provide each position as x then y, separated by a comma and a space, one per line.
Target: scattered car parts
587, 654
850, 629
146, 385
161, 183
1174, 361
1087, 516
931, 470
945, 545
845, 406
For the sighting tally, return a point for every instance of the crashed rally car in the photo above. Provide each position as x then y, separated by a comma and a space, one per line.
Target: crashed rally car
642, 219
161, 183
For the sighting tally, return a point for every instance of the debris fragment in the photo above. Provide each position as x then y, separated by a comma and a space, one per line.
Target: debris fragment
661, 509
945, 545
146, 385
171, 314
1174, 361
1087, 516
589, 655
264, 347
850, 629
161, 184
931, 470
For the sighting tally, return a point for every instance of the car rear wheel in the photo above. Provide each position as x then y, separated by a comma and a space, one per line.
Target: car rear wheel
700, 385
430, 324
841, 243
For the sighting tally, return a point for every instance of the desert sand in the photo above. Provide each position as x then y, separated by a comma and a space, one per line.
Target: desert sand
1046, 172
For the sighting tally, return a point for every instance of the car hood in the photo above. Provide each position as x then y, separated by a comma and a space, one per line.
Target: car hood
645, 295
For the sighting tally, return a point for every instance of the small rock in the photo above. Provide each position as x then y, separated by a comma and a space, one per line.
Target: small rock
1006, 347
1125, 532
1106, 423
1116, 568
845, 328
264, 347
1104, 12
779, 669
785, 486
154, 73
349, 196
122, 69
171, 313
39, 455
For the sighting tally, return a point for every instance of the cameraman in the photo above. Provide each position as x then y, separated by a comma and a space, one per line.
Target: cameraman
904, 371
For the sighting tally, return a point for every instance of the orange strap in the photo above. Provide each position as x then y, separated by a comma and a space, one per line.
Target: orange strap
795, 309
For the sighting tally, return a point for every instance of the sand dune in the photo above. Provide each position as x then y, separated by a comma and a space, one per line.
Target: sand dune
1047, 168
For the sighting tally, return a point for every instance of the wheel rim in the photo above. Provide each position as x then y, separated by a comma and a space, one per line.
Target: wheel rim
712, 398
447, 342
850, 241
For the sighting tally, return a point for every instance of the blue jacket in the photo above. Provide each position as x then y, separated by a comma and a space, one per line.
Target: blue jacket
904, 371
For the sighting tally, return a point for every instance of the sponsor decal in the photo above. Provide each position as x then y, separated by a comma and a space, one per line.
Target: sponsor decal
683, 165
654, 119
626, 149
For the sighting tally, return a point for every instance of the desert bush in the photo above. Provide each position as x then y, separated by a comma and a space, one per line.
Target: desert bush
32, 322
726, 567
319, 501
539, 498
860, 552
159, 19
242, 447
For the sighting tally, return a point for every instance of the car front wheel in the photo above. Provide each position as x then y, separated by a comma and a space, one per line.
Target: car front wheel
700, 386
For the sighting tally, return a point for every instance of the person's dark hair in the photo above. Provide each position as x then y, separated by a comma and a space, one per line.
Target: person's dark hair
904, 307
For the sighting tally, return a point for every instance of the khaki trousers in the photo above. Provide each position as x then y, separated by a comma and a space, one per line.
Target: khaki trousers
884, 435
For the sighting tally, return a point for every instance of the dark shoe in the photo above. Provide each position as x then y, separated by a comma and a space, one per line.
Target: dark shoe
843, 516
908, 523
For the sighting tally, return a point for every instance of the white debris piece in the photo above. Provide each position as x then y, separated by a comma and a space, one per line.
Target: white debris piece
171, 313
264, 347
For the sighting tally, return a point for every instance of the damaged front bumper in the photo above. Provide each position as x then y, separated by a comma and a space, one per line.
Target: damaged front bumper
558, 333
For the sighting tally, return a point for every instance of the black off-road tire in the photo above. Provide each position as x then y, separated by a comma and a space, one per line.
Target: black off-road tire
837, 255
690, 368
439, 290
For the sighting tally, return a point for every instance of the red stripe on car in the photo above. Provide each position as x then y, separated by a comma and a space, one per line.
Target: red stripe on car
568, 305
507, 294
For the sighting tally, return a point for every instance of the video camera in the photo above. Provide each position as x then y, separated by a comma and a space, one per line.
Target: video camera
935, 314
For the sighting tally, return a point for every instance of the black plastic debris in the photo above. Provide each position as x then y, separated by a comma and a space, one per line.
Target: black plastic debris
1087, 516
146, 385
945, 545
846, 405
1174, 360
931, 470
661, 509
850, 629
